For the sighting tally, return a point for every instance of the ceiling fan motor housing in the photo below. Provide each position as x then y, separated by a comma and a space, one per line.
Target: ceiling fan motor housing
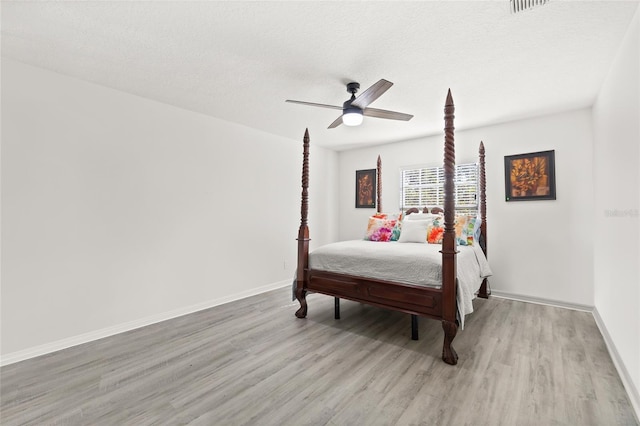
346, 105
348, 109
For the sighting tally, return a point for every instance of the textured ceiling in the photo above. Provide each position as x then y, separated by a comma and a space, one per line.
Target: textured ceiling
239, 61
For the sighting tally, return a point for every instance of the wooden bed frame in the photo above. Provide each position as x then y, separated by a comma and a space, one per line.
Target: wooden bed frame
437, 303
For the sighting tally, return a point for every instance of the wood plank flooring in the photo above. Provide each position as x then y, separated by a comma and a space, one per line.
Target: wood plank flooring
251, 362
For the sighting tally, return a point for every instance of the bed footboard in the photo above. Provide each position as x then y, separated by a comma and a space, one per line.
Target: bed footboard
407, 298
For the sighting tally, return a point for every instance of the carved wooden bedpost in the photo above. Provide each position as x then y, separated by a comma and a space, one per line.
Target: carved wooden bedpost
449, 252
379, 185
303, 233
484, 292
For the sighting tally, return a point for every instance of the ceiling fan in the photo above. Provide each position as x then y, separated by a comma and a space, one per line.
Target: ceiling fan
354, 108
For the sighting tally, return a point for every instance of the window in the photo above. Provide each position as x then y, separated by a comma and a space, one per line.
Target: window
424, 186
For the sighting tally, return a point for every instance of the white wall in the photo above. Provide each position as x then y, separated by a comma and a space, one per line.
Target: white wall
537, 249
616, 123
118, 210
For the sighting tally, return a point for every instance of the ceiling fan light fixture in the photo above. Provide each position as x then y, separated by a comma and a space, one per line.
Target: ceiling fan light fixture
352, 117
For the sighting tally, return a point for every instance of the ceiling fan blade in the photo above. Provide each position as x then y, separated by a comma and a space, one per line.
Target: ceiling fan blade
314, 104
383, 113
335, 123
372, 93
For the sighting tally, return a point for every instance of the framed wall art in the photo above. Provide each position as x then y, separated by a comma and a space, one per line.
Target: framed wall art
365, 189
530, 176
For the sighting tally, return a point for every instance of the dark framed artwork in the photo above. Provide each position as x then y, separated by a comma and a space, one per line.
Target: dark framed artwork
530, 176
365, 189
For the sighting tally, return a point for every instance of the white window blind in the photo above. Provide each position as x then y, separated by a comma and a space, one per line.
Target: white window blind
424, 186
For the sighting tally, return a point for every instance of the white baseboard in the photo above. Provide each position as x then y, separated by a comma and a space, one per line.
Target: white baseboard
632, 391
541, 301
33, 352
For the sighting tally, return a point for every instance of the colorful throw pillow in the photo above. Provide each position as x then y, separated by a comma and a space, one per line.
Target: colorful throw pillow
397, 230
466, 229
435, 230
476, 229
380, 229
383, 226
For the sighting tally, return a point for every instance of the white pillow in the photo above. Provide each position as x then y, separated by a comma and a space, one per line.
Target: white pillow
414, 231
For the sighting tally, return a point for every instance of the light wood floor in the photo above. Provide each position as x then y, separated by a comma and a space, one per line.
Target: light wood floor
252, 362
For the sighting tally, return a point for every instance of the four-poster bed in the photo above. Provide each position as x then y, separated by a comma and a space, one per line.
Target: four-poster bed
439, 300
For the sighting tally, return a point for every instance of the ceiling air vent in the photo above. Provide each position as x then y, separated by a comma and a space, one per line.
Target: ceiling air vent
521, 5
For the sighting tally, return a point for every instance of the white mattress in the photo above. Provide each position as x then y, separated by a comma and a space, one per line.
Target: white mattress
407, 263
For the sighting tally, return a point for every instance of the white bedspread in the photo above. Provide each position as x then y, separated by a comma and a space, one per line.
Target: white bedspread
408, 263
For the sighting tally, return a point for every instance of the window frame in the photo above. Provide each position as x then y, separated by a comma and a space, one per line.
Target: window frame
429, 187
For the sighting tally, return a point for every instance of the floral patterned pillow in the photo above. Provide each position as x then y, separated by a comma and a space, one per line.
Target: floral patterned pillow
435, 230
466, 229
395, 234
382, 229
